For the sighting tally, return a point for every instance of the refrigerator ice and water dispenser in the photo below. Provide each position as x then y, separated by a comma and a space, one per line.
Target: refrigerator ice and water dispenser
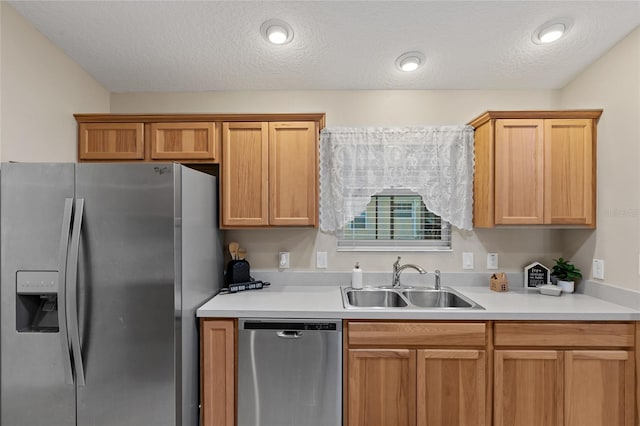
37, 301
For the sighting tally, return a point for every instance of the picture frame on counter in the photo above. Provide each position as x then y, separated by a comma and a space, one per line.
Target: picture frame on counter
535, 275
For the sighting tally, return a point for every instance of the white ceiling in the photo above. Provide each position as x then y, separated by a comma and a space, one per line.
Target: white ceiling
139, 46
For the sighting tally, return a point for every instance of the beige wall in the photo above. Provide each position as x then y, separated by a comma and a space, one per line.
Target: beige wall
613, 83
41, 88
344, 108
516, 248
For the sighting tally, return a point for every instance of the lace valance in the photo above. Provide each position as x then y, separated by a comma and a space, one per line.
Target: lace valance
435, 162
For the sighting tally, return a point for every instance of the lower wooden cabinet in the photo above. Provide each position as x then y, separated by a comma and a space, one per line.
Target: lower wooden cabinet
218, 372
382, 387
563, 388
451, 387
404, 381
528, 388
414, 373
549, 383
599, 388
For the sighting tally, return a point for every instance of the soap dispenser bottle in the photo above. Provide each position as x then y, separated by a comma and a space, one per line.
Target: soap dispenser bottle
356, 277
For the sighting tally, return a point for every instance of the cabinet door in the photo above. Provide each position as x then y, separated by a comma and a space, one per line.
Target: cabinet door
245, 174
293, 173
218, 372
519, 172
599, 388
528, 388
451, 388
570, 173
111, 141
381, 387
183, 141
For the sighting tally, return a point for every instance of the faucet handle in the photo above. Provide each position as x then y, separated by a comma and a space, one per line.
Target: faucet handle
397, 263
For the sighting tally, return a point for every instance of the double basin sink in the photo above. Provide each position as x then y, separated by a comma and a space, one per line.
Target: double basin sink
406, 298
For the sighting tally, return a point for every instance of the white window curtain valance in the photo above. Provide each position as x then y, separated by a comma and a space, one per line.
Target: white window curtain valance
435, 162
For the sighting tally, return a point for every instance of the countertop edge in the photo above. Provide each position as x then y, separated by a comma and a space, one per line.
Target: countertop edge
457, 316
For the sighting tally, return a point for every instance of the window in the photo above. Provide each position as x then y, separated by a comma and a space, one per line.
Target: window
396, 220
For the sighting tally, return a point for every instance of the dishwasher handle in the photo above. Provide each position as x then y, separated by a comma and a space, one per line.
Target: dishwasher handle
289, 334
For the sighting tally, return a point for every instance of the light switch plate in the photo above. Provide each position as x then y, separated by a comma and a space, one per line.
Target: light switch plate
321, 260
598, 269
283, 260
467, 260
492, 260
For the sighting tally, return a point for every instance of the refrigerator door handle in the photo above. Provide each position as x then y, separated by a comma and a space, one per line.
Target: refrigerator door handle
62, 276
72, 292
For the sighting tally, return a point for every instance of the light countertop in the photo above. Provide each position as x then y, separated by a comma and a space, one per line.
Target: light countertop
325, 301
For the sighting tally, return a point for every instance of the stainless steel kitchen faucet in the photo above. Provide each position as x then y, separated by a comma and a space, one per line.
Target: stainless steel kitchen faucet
397, 269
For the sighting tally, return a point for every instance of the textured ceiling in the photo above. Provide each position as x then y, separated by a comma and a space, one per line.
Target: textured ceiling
138, 46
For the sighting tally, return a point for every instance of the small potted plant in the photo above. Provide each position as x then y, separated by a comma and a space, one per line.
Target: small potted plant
566, 273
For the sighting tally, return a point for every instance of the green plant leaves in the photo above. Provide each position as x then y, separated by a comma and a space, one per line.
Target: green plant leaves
564, 270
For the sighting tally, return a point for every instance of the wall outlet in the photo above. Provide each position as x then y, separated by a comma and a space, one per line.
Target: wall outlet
283, 260
467, 260
321, 260
492, 260
598, 269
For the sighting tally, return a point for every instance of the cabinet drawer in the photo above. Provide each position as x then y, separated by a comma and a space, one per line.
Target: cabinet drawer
416, 334
564, 334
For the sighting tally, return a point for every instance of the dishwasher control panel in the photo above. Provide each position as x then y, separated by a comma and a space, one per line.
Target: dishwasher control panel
286, 325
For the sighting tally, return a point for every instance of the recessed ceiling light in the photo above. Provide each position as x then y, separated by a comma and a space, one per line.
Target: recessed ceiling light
410, 61
276, 31
550, 31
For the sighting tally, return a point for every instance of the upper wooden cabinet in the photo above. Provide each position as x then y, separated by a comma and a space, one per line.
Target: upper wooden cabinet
196, 138
111, 141
269, 174
183, 141
120, 137
535, 168
245, 174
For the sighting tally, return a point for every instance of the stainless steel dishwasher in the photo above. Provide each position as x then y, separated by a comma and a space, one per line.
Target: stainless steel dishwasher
289, 372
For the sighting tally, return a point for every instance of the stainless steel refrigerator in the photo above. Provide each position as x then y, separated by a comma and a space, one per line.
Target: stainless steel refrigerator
103, 267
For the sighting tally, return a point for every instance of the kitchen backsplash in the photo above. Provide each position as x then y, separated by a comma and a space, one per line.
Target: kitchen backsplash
610, 293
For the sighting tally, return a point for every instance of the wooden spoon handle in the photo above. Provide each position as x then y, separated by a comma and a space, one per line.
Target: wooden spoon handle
233, 249
242, 254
